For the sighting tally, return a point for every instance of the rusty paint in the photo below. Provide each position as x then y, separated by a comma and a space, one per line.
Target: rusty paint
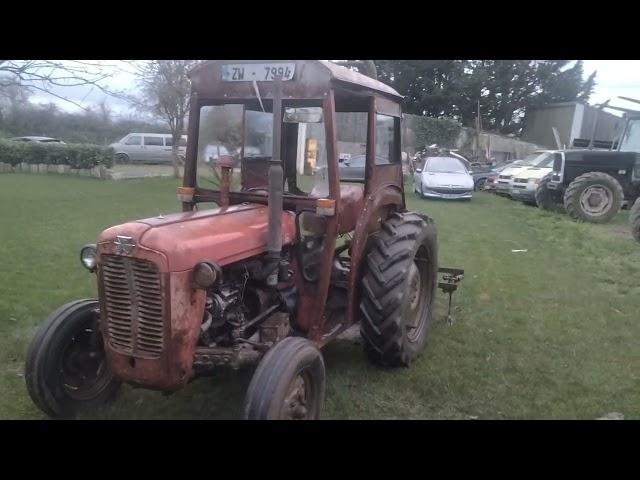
184, 307
224, 235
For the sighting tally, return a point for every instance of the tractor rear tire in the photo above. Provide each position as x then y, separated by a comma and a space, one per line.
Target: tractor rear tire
578, 193
397, 293
66, 369
289, 383
634, 219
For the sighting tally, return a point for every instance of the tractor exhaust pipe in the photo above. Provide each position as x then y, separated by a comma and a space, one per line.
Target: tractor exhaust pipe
276, 187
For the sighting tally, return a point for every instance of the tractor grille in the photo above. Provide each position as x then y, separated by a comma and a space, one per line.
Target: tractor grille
133, 305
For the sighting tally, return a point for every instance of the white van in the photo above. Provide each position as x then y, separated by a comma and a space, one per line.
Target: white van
147, 148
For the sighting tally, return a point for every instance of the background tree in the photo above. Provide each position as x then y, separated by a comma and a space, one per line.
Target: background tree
165, 92
505, 88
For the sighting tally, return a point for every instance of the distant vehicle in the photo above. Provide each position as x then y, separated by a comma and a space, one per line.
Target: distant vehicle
592, 185
444, 177
213, 151
492, 178
352, 168
479, 171
38, 140
526, 181
147, 148
505, 179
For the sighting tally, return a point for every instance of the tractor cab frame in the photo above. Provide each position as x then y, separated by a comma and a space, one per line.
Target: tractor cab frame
345, 208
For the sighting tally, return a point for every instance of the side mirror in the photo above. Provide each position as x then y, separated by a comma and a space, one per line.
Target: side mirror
418, 170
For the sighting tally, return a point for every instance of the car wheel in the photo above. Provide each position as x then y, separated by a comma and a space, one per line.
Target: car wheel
122, 158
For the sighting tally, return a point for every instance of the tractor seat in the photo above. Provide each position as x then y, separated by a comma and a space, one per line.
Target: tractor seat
351, 205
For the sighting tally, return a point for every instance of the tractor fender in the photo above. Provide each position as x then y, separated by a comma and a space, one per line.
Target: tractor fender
377, 207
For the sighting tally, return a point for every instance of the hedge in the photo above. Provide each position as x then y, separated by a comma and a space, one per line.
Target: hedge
441, 131
74, 155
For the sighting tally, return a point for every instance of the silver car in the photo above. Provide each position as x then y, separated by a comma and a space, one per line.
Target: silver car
443, 177
147, 148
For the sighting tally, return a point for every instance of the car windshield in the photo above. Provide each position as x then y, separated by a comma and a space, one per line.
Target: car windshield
543, 160
444, 165
537, 160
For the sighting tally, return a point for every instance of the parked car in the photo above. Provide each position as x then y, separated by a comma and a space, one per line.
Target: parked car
526, 181
443, 177
352, 168
212, 152
492, 178
38, 140
505, 179
147, 148
479, 171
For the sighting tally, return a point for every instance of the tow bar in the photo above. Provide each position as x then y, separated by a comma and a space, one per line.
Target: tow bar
451, 277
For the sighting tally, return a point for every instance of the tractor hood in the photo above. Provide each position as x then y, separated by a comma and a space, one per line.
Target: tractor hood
222, 235
534, 172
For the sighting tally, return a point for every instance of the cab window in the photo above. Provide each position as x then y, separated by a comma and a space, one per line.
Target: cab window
386, 140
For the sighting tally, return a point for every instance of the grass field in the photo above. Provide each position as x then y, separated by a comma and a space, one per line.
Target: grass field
548, 333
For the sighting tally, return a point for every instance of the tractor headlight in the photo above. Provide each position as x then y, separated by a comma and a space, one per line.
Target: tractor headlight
206, 274
88, 257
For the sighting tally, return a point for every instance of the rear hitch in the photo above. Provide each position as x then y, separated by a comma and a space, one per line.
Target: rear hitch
451, 277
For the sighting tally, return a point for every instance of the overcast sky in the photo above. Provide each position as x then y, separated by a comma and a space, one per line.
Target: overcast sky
615, 78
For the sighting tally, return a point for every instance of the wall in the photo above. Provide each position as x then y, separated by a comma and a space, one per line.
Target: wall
352, 137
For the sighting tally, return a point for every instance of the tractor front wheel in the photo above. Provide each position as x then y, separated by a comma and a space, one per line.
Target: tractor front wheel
398, 289
289, 383
66, 369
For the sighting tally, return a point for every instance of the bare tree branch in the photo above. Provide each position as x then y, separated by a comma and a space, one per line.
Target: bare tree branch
44, 75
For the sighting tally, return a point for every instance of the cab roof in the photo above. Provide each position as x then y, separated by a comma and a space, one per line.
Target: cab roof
312, 79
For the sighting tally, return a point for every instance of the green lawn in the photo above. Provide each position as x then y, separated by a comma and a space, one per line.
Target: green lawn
550, 333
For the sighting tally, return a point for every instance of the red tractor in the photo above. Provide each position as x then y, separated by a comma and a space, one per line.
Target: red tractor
289, 258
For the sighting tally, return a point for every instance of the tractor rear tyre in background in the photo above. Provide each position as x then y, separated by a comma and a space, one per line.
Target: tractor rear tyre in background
289, 383
66, 368
634, 219
593, 197
397, 293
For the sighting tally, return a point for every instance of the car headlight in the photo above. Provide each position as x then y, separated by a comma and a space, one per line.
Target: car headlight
206, 274
88, 257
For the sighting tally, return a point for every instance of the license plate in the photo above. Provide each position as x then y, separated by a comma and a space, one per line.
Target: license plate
448, 195
260, 72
